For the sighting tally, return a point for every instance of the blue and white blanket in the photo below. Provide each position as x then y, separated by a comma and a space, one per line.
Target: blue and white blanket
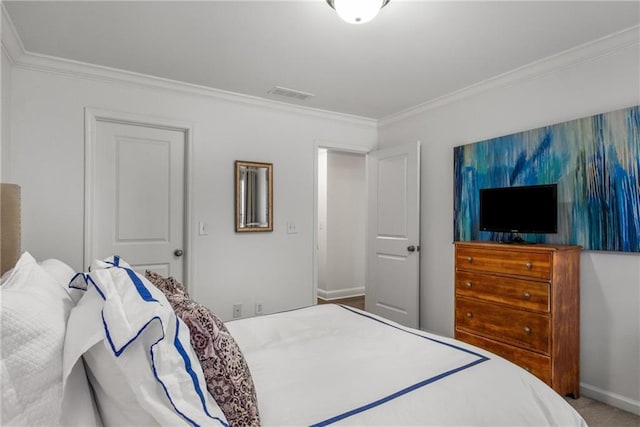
331, 364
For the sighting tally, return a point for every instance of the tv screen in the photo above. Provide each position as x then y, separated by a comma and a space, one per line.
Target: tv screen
528, 209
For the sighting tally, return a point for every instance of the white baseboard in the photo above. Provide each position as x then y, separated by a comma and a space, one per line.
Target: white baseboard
610, 398
340, 293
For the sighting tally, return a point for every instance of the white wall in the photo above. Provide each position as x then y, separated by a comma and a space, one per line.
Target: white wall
581, 83
47, 159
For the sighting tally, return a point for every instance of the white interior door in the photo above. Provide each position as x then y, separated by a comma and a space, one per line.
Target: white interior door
393, 236
137, 195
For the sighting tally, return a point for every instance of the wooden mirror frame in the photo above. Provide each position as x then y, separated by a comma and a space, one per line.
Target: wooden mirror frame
242, 190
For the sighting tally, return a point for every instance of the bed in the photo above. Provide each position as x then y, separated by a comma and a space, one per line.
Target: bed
110, 346
331, 364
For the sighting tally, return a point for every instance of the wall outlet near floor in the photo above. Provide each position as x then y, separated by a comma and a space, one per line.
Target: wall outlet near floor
258, 308
237, 310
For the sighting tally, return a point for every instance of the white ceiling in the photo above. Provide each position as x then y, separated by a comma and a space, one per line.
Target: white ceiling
413, 52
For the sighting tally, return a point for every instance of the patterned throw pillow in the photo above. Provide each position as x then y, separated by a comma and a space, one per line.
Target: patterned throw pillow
169, 286
225, 368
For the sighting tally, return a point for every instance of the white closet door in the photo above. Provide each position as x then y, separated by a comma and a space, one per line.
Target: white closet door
138, 196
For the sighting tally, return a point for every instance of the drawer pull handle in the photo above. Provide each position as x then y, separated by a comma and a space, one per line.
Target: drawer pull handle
527, 330
526, 295
528, 265
468, 285
469, 314
469, 259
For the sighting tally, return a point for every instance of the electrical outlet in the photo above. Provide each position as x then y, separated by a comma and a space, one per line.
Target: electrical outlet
291, 228
258, 308
237, 310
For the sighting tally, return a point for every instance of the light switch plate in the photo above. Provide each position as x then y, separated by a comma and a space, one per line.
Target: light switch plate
203, 228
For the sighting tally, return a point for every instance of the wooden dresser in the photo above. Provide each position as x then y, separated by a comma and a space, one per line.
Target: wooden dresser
522, 302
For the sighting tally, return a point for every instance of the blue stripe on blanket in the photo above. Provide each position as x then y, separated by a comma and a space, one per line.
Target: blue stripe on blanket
411, 388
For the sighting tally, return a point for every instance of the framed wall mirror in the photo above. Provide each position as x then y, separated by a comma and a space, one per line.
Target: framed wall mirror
254, 196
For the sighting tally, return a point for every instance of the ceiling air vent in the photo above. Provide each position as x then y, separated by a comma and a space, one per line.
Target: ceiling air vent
290, 93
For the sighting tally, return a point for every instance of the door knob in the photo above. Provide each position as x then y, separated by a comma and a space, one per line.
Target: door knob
178, 252
411, 248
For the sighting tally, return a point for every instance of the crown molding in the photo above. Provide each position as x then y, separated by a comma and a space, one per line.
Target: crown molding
22, 58
83, 70
599, 48
11, 44
19, 57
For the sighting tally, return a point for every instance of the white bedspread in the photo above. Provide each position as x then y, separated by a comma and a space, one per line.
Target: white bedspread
332, 364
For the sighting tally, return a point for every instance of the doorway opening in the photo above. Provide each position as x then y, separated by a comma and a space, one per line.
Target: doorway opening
341, 219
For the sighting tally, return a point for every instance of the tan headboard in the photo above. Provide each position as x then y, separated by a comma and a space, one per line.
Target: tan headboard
10, 238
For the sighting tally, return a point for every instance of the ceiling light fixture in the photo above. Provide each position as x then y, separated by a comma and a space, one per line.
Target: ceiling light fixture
357, 11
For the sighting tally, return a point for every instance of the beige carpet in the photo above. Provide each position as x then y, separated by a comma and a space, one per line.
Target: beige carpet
598, 414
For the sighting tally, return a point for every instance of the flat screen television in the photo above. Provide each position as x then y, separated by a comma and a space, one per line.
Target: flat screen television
527, 209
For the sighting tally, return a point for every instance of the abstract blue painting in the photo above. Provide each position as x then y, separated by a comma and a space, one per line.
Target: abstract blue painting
595, 162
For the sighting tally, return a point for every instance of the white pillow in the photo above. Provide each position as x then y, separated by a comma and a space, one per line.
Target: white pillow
137, 351
34, 313
59, 270
35, 308
63, 274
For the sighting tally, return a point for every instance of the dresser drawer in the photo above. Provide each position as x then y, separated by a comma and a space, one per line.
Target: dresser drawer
536, 363
505, 290
518, 327
520, 263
